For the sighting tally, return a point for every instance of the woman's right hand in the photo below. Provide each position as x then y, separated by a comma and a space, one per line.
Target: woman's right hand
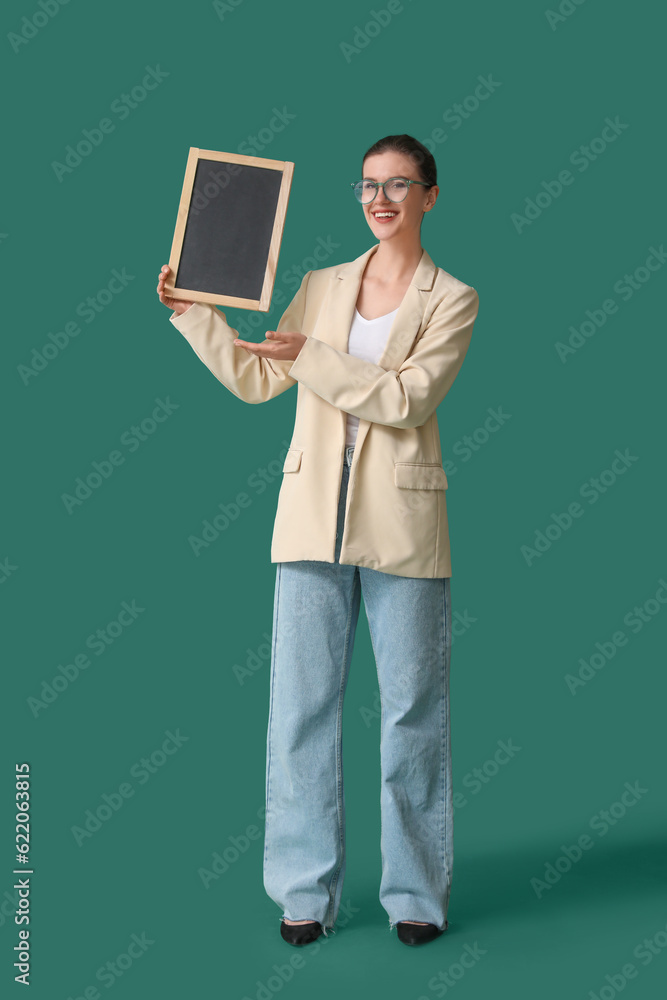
178, 305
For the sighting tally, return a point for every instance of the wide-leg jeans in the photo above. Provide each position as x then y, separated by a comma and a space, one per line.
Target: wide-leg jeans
316, 608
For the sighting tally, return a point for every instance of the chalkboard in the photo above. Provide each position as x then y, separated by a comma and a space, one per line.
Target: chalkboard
229, 229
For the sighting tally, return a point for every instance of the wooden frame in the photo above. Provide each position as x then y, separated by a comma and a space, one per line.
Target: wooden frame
262, 304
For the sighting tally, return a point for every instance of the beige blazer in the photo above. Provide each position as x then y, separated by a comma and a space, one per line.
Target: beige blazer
396, 511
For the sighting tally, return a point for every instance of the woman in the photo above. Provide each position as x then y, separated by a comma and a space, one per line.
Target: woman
373, 355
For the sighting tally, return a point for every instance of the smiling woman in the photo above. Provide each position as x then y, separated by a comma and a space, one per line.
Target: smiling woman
375, 345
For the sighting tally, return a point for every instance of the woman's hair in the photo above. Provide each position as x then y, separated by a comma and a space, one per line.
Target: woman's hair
411, 147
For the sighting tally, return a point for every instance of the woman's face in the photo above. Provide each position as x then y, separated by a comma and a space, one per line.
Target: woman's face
407, 215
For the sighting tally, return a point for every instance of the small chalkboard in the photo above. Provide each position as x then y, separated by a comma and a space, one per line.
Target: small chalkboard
229, 229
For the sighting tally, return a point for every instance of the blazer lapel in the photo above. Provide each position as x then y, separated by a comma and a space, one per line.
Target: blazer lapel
338, 312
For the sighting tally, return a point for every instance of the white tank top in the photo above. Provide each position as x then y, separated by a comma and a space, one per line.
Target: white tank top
367, 340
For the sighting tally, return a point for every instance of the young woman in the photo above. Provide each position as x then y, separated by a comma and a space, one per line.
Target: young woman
374, 346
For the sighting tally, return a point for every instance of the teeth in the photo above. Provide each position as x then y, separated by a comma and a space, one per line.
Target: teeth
385, 215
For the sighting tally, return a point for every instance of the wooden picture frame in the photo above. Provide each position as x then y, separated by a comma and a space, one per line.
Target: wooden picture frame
229, 229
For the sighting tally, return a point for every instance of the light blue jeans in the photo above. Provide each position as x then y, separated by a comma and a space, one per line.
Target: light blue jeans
316, 607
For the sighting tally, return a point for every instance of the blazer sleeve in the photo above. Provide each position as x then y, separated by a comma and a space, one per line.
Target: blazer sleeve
403, 398
252, 378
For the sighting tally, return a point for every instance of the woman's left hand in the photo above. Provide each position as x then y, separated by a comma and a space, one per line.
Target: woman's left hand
283, 346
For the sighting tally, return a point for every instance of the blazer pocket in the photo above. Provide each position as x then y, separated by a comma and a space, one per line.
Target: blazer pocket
292, 460
419, 476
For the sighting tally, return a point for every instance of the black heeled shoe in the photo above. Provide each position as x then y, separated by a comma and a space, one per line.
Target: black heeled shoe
300, 933
417, 933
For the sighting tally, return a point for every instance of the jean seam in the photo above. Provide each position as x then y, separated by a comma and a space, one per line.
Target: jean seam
446, 738
271, 699
438, 519
339, 759
377, 669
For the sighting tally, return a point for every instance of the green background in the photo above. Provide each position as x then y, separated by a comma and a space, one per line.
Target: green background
523, 627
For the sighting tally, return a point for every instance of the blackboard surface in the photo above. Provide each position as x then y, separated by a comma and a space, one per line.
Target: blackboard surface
229, 229
226, 243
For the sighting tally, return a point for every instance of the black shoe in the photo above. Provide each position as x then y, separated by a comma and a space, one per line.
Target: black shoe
300, 933
416, 933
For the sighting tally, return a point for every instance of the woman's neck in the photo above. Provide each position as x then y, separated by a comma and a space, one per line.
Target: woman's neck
395, 262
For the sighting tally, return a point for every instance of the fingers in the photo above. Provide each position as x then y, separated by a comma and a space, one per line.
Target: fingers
259, 350
163, 275
248, 345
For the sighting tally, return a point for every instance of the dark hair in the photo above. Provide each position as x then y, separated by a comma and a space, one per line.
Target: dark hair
411, 147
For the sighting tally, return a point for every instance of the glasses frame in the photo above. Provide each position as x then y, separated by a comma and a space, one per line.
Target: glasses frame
379, 185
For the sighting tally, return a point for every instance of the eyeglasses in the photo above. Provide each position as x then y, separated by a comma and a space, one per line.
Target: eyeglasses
395, 189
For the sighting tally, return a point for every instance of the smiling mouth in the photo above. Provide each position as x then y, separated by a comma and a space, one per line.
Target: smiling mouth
384, 215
